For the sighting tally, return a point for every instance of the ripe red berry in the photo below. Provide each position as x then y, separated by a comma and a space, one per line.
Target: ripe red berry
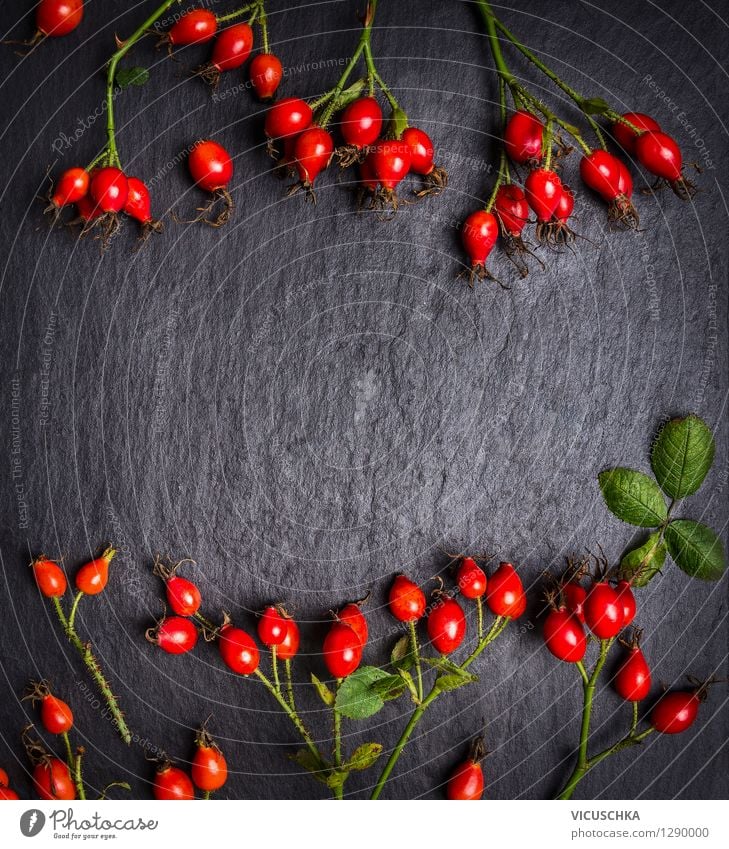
238, 650
174, 635
659, 154
564, 635
627, 600
56, 715
139, 202
231, 49
351, 614
55, 18
342, 650
512, 209
52, 780
209, 769
446, 625
675, 712
272, 627
523, 138
312, 152
390, 163
109, 189
505, 594
565, 205
466, 781
626, 136
601, 172
93, 576
574, 596
194, 27
4, 778
288, 117
265, 74
72, 185
183, 596
6, 794
543, 190
49, 577
210, 166
290, 645
421, 151
471, 578
603, 611
633, 678
172, 784
406, 600
361, 122
87, 209
479, 234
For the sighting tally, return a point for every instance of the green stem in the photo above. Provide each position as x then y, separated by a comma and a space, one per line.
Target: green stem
583, 672
92, 664
496, 629
206, 795
111, 153
291, 713
206, 623
415, 648
339, 788
479, 615
70, 760
77, 778
290, 684
274, 667
74, 608
231, 16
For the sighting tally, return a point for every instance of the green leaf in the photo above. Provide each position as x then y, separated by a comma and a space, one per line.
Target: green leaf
364, 756
325, 694
644, 562
306, 759
633, 497
131, 76
398, 123
356, 697
453, 682
410, 684
402, 656
595, 105
682, 455
389, 688
349, 94
696, 549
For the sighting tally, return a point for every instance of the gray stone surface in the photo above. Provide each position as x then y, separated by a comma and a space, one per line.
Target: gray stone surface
308, 400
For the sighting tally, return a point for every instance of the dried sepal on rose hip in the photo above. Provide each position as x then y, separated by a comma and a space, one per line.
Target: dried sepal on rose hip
312, 153
170, 782
56, 715
51, 776
231, 49
211, 168
183, 596
196, 26
479, 234
173, 634
53, 19
609, 177
209, 769
466, 780
422, 162
360, 124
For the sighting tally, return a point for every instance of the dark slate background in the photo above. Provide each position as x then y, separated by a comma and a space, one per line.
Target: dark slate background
309, 400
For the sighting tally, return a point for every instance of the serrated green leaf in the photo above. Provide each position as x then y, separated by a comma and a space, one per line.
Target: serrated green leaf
307, 760
131, 76
453, 682
402, 656
643, 563
389, 688
696, 549
356, 697
633, 497
682, 456
325, 694
364, 756
595, 105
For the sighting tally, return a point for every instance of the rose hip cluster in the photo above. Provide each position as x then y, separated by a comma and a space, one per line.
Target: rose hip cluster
208, 772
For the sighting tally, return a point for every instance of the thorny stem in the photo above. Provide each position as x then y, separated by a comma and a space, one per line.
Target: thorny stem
231, 16
70, 760
206, 795
274, 667
77, 779
479, 614
497, 628
74, 608
339, 788
289, 683
291, 713
416, 654
92, 664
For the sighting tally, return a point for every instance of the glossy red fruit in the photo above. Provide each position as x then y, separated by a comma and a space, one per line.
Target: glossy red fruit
633, 678
446, 625
511, 208
367, 174
290, 645
627, 599
183, 596
56, 715
523, 138
6, 794
479, 234
601, 172
72, 185
288, 117
312, 152
93, 576
238, 650
109, 189
172, 784
49, 577
52, 780
361, 122
626, 136
603, 611
659, 154
265, 74
4, 778
564, 635
625, 181
421, 150
675, 712
390, 163
55, 18
574, 596
565, 206
505, 594
466, 782
342, 650
139, 202
210, 166
209, 769
471, 578
543, 190
406, 600
232, 47
174, 635
351, 614
194, 27
272, 627
87, 209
